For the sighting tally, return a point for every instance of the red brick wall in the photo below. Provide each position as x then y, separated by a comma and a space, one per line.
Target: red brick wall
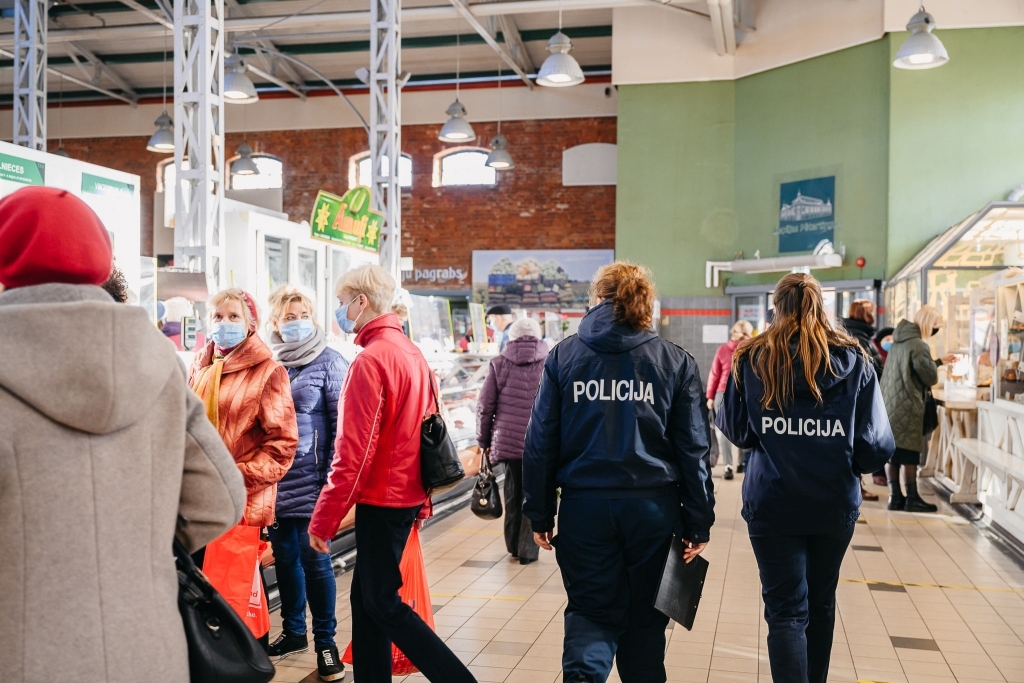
528, 208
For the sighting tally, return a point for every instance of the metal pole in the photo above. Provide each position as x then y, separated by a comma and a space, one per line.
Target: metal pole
30, 73
386, 126
199, 138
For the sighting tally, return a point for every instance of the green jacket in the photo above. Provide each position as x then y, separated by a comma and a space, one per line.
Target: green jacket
909, 370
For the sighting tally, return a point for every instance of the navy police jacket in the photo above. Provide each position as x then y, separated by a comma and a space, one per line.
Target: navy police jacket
620, 414
803, 476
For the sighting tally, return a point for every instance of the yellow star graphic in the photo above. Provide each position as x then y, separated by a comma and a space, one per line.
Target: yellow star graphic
371, 232
321, 217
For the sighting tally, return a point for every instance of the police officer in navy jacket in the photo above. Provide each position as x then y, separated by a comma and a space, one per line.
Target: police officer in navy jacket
804, 397
620, 426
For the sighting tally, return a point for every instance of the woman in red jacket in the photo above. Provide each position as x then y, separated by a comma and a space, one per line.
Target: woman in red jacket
388, 391
720, 369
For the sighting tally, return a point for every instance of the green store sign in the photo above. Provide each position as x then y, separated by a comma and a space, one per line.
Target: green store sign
18, 170
347, 220
94, 184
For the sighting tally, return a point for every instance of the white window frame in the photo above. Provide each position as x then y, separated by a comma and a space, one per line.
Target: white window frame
455, 151
356, 159
256, 158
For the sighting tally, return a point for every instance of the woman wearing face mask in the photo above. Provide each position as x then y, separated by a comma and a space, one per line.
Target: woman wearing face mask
909, 372
317, 373
248, 399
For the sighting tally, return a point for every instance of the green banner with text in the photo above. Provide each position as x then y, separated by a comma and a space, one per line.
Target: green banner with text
94, 184
23, 171
347, 220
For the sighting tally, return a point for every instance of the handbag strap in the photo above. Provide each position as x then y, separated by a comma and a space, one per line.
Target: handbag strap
433, 390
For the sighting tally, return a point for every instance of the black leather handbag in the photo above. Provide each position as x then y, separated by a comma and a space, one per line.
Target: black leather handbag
440, 467
221, 648
486, 501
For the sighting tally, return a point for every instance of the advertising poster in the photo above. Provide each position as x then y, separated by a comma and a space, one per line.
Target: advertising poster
555, 278
806, 213
347, 220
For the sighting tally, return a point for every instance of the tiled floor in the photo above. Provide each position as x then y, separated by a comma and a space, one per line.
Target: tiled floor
923, 599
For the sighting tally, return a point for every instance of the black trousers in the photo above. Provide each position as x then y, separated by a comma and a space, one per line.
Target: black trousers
379, 617
518, 530
799, 575
611, 553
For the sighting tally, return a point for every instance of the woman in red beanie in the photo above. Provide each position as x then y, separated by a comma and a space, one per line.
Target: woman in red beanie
248, 398
105, 458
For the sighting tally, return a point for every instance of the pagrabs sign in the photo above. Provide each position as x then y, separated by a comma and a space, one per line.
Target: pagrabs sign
347, 220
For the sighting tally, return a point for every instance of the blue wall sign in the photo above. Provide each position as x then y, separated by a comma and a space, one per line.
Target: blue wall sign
806, 213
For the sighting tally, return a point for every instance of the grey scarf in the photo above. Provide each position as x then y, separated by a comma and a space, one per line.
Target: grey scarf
298, 354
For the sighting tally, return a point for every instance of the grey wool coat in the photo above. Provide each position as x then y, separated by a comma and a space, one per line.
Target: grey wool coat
105, 456
909, 370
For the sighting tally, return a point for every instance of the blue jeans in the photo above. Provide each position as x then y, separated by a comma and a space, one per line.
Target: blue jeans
611, 552
799, 575
303, 573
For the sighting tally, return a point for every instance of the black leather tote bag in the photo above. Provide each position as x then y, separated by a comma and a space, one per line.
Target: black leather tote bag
221, 648
440, 467
486, 501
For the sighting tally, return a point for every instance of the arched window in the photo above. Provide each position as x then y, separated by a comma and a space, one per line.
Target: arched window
270, 177
463, 166
165, 175
359, 170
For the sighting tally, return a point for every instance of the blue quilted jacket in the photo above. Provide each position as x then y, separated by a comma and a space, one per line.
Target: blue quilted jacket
315, 390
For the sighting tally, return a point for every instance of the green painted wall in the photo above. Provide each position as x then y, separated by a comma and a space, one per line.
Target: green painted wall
674, 203
956, 135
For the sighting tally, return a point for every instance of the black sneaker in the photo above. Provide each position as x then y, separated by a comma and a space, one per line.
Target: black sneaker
328, 664
728, 472
741, 468
285, 645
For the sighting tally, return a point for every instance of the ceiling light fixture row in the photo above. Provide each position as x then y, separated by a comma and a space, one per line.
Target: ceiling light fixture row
921, 49
499, 159
162, 141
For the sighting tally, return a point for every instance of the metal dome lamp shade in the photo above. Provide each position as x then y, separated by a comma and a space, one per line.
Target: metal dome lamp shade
921, 49
162, 140
244, 164
457, 128
238, 88
499, 158
560, 69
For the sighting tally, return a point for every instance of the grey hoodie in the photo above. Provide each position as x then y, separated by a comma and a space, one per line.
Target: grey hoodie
105, 455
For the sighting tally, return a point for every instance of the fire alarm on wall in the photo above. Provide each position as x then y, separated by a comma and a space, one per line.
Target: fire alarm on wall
861, 262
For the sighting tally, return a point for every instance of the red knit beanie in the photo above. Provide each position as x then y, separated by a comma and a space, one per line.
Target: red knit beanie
49, 235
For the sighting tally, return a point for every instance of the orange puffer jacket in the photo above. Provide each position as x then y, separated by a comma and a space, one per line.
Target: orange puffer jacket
257, 421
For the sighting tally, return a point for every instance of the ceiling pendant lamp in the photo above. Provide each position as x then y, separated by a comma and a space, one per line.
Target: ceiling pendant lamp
238, 87
244, 164
921, 49
457, 129
162, 141
560, 69
499, 159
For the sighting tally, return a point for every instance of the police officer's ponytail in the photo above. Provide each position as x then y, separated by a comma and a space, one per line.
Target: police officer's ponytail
631, 290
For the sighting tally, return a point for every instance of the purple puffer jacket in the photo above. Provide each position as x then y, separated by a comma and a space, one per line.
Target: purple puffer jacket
503, 410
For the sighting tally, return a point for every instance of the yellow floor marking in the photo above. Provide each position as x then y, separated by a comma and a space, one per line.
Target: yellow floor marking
477, 597
935, 585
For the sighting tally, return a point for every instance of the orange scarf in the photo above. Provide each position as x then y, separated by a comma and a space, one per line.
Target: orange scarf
208, 389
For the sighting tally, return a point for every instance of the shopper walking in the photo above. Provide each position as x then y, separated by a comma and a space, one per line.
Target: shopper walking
388, 391
909, 374
861, 326
499, 317
316, 373
804, 397
720, 368
248, 398
105, 458
620, 426
503, 413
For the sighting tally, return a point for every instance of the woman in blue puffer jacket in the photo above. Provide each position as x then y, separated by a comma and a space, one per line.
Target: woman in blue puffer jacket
316, 374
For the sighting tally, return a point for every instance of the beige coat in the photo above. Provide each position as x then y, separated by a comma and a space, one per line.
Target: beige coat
105, 455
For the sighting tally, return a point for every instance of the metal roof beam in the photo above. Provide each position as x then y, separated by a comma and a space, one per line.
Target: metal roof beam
158, 17
514, 40
276, 81
76, 81
482, 30
99, 68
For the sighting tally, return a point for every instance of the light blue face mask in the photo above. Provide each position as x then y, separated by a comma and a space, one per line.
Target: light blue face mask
886, 345
297, 330
341, 315
228, 335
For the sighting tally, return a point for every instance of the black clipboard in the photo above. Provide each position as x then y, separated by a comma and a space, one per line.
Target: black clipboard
681, 585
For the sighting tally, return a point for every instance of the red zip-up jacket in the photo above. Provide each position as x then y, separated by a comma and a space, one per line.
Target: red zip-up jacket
383, 402
721, 367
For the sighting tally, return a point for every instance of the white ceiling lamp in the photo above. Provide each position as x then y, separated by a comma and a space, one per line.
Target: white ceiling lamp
162, 141
499, 159
238, 87
244, 164
560, 69
921, 49
457, 129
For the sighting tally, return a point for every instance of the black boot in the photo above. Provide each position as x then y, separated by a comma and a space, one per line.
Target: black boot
896, 499
914, 501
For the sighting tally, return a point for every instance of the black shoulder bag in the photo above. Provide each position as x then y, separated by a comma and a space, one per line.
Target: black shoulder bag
486, 501
931, 409
440, 467
221, 648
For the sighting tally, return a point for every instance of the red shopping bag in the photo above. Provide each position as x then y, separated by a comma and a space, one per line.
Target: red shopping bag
415, 592
232, 565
